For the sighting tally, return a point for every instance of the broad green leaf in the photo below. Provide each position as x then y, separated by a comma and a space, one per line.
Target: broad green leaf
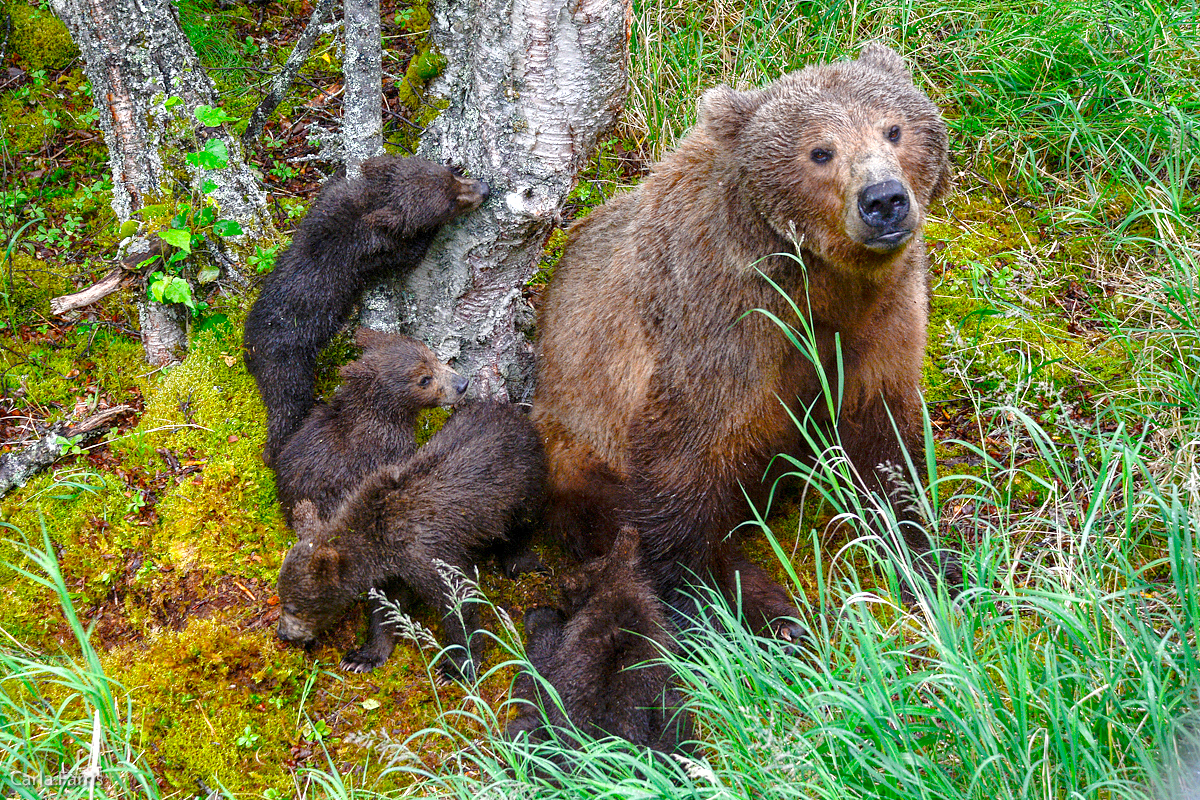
178, 237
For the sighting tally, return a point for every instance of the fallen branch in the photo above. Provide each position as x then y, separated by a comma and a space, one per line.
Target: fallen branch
287, 74
138, 253
97, 291
57, 441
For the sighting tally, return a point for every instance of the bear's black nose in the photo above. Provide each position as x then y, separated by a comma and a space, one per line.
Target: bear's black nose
460, 384
882, 205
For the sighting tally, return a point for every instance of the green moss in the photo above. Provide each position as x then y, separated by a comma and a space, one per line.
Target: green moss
424, 67
27, 126
38, 39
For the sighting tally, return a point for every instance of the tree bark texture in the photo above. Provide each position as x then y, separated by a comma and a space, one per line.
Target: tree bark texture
136, 56
531, 85
362, 106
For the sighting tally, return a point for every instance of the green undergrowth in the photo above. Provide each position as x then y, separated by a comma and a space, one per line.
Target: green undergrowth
1062, 377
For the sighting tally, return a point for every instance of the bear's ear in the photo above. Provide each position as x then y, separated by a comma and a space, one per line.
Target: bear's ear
366, 338
724, 111
885, 59
385, 219
355, 369
625, 548
326, 564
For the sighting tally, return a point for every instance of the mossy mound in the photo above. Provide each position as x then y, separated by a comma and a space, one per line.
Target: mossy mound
38, 39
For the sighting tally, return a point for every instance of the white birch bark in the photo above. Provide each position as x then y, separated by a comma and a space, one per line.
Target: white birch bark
531, 85
136, 56
362, 108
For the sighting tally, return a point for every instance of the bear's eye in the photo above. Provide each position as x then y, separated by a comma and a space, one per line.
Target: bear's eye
821, 155
893, 134
425, 380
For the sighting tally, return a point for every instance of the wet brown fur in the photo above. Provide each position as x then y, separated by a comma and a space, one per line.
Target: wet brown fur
476, 485
355, 231
368, 423
599, 652
659, 388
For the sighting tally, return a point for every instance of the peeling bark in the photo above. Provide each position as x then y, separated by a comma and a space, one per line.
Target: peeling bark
136, 58
531, 85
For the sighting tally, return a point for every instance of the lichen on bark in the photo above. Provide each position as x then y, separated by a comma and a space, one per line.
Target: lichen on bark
530, 85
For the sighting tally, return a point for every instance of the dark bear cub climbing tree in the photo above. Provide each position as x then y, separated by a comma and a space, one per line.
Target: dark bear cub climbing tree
356, 231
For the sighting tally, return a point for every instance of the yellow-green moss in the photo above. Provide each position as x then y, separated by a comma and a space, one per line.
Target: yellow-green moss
38, 39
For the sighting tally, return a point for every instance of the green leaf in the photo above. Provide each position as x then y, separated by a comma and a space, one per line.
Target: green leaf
215, 155
173, 102
178, 290
176, 237
227, 227
155, 285
208, 186
207, 275
211, 117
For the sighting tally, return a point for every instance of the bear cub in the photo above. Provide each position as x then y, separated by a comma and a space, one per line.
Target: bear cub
355, 230
368, 423
600, 652
476, 485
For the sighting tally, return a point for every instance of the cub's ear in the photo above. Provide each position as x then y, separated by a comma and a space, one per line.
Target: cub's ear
366, 337
356, 369
326, 565
885, 59
625, 548
724, 111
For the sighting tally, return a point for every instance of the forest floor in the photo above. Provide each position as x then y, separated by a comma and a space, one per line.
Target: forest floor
168, 532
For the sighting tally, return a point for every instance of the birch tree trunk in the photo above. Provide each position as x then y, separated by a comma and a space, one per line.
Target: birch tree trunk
531, 85
137, 58
362, 106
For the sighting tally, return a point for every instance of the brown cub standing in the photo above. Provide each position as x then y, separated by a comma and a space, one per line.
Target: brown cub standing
356, 231
602, 653
477, 485
368, 423
661, 394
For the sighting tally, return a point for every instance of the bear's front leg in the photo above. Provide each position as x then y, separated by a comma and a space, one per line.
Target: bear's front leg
381, 630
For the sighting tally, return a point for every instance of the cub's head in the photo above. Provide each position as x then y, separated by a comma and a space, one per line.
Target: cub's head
618, 570
845, 156
413, 195
313, 592
402, 373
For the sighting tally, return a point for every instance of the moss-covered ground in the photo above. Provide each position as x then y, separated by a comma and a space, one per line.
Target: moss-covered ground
168, 532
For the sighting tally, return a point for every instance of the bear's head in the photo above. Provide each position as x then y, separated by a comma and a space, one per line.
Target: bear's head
398, 374
415, 195
844, 158
313, 590
617, 570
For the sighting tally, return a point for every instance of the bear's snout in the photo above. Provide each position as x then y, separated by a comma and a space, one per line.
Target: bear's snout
884, 208
883, 205
291, 629
472, 193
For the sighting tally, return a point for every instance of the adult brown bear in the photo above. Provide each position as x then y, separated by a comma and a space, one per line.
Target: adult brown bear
660, 394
